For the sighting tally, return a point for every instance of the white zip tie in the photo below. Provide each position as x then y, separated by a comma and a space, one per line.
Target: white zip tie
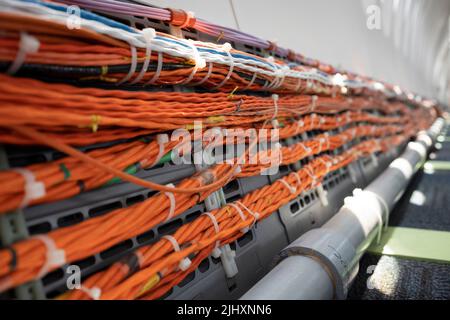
27, 44
33, 190
185, 263
251, 81
132, 66
148, 34
313, 118
313, 103
200, 62
172, 200
297, 176
290, 188
227, 47
157, 72
327, 164
216, 252
311, 175
275, 98
208, 74
308, 150
94, 293
241, 214
254, 214
348, 115
54, 257
297, 88
162, 139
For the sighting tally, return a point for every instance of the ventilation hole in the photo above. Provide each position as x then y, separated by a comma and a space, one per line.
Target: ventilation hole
313, 197
295, 207
83, 264
146, 237
100, 210
53, 276
307, 200
245, 239
302, 203
233, 245
118, 248
24, 161
187, 279
284, 169
204, 265
40, 228
192, 216
331, 184
135, 199
170, 227
70, 219
231, 187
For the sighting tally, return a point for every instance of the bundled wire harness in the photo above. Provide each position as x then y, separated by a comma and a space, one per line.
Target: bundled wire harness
109, 97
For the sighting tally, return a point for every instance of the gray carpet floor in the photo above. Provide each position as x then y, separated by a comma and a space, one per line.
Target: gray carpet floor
424, 205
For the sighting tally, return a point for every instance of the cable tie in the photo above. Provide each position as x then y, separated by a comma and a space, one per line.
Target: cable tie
148, 34
162, 139
182, 19
275, 98
158, 70
311, 175
54, 257
185, 263
33, 190
290, 188
251, 81
132, 66
313, 103
297, 88
312, 117
208, 74
94, 293
216, 252
172, 200
241, 215
200, 62
28, 44
254, 214
227, 48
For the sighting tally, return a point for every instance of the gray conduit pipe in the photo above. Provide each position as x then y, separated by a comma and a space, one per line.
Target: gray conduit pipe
323, 262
